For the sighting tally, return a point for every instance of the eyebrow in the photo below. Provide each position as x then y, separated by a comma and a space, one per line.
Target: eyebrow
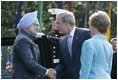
35, 24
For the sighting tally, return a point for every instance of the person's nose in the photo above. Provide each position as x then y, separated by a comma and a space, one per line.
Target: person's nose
38, 28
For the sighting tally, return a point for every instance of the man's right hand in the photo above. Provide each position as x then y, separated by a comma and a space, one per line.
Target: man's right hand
51, 73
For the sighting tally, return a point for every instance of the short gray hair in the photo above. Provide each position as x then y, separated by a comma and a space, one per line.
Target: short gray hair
100, 20
67, 16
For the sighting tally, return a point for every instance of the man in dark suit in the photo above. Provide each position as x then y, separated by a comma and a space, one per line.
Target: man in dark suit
114, 62
70, 46
25, 64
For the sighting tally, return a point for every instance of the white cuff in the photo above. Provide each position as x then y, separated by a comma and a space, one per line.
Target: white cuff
46, 72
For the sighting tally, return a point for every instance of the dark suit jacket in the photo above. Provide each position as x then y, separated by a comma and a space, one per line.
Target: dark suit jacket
72, 66
24, 63
114, 66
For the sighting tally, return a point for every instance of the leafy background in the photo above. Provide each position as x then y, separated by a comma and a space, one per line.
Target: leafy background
9, 11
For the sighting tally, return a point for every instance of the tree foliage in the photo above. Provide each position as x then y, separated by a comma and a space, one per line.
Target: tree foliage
9, 10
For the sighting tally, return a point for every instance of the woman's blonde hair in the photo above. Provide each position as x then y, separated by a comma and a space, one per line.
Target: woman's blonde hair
100, 20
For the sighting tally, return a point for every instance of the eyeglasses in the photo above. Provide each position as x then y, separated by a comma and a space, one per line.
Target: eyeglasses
36, 24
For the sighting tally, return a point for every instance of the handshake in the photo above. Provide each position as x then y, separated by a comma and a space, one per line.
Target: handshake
51, 73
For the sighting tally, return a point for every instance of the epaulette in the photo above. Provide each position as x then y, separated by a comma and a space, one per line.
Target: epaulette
54, 37
50, 32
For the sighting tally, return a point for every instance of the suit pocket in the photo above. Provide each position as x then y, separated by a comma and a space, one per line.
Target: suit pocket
26, 76
18, 77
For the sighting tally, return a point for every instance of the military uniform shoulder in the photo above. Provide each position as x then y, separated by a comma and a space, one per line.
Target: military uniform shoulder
84, 29
52, 32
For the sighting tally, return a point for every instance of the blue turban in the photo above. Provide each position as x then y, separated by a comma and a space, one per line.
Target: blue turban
27, 20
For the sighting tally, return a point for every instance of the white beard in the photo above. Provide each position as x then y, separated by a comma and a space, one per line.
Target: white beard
32, 30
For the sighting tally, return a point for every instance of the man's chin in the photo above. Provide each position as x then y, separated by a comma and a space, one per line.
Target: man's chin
35, 34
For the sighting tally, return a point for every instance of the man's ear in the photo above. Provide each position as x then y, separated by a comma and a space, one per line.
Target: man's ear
67, 22
27, 27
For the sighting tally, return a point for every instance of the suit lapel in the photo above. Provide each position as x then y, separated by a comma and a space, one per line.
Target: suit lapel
34, 53
75, 41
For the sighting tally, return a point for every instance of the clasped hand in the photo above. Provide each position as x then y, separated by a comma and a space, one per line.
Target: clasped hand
51, 73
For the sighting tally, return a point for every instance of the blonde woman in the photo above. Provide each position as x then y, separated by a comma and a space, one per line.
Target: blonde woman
96, 58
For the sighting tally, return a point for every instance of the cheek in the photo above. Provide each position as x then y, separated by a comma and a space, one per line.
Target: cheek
64, 27
36, 28
52, 23
58, 26
33, 29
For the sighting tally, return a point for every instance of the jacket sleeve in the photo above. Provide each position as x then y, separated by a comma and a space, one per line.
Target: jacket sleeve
23, 49
88, 33
86, 60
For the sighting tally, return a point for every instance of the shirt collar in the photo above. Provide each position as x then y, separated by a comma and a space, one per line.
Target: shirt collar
72, 32
27, 34
99, 36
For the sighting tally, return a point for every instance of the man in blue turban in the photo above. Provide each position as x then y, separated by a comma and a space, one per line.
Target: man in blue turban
25, 63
